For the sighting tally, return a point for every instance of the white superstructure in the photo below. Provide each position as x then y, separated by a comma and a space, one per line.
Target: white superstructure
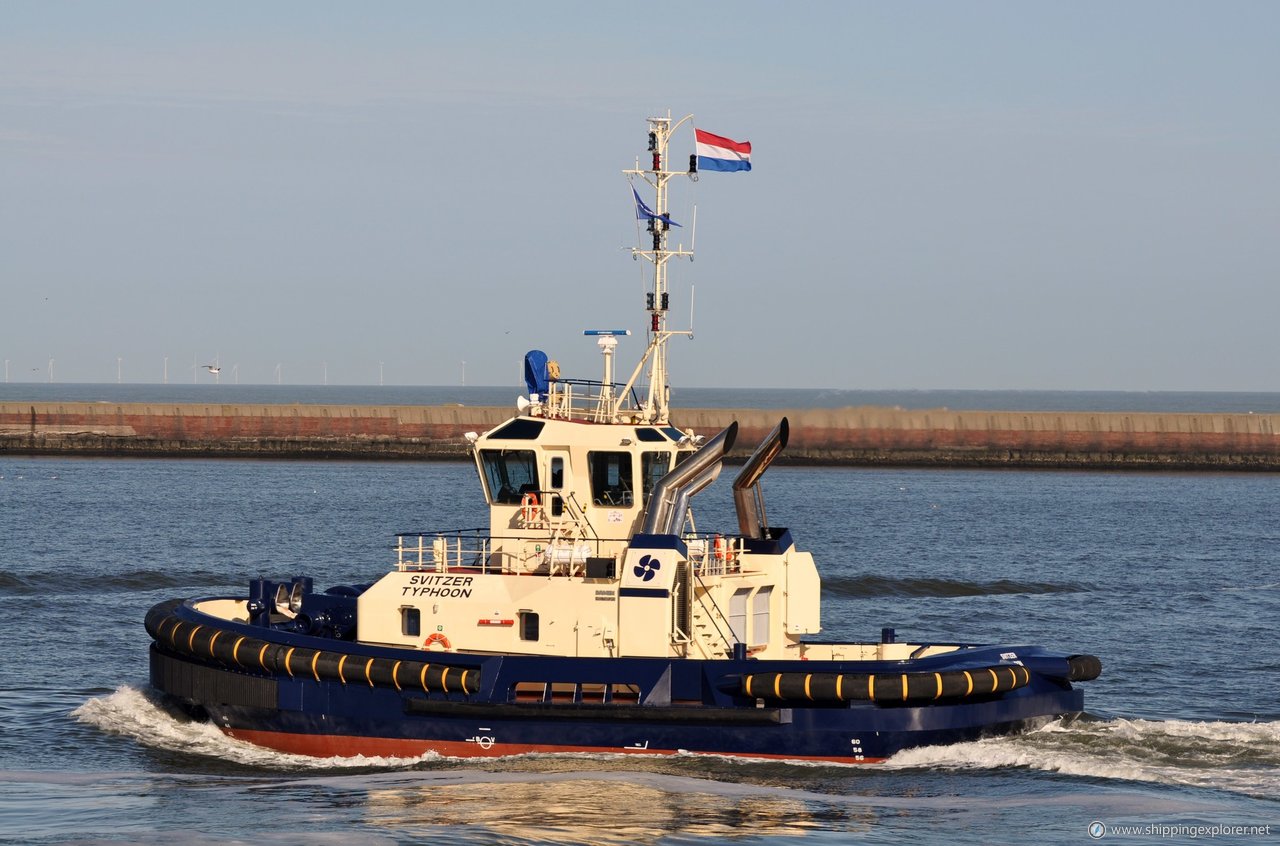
591, 547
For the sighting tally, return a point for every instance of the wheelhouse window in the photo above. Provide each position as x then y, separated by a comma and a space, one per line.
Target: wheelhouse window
611, 482
509, 474
520, 429
653, 466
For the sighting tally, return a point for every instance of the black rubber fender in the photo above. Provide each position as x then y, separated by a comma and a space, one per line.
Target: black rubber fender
210, 643
886, 687
1083, 667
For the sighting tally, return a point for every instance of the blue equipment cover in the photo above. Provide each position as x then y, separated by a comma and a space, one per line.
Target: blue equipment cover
535, 372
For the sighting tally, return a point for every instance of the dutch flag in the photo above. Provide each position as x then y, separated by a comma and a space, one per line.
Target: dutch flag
715, 152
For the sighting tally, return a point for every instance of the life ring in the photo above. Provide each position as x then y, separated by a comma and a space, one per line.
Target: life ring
528, 506
437, 637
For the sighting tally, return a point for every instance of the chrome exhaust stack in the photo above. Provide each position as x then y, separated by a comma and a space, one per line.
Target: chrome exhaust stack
669, 498
747, 499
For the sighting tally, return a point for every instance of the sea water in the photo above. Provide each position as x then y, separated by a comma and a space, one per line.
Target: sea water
1171, 579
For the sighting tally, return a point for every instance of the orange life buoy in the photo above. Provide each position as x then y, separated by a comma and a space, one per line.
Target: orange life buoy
529, 506
437, 637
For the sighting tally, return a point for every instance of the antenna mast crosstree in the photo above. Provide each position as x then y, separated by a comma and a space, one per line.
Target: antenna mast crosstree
655, 405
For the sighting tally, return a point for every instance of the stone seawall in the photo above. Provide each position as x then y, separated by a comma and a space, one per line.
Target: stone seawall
845, 436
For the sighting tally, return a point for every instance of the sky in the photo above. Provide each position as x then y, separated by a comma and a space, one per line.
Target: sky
944, 195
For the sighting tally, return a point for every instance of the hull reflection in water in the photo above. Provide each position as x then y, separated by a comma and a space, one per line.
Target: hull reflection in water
598, 808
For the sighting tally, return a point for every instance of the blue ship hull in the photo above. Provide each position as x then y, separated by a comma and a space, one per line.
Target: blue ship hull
324, 697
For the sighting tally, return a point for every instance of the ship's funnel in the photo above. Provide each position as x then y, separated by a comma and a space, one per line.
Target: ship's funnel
747, 498
661, 516
708, 475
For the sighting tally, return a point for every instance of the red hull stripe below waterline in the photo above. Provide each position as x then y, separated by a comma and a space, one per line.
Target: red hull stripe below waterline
344, 746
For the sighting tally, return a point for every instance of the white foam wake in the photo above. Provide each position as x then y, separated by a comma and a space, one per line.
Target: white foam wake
1238, 757
140, 715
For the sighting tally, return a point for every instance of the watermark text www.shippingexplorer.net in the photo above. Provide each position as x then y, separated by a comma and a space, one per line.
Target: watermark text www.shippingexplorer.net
1099, 830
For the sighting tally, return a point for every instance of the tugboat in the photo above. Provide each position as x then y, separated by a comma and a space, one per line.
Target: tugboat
591, 615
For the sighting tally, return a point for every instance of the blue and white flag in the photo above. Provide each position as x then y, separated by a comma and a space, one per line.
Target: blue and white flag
643, 212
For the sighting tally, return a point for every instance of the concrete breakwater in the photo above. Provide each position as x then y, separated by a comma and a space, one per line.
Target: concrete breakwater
846, 436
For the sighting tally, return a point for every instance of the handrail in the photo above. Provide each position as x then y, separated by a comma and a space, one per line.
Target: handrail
500, 554
712, 617
563, 403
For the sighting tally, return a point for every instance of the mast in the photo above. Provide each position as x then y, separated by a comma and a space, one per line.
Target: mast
654, 406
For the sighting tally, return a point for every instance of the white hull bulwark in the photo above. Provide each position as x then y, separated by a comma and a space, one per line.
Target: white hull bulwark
593, 613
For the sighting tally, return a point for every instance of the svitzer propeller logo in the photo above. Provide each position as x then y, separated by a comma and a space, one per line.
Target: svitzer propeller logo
647, 567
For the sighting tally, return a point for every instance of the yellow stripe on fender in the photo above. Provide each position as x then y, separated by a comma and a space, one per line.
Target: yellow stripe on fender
191, 641
995, 680
235, 650
464, 680
808, 677
839, 685
422, 677
938, 678
395, 675
262, 653
904, 687
444, 680
214, 640
969, 679
368, 672
288, 660
777, 685
871, 687
341, 662
315, 660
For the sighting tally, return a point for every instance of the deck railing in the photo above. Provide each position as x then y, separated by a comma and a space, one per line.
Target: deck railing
713, 554
476, 551
586, 399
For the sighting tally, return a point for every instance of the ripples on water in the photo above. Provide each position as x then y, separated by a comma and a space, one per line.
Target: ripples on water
1171, 579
